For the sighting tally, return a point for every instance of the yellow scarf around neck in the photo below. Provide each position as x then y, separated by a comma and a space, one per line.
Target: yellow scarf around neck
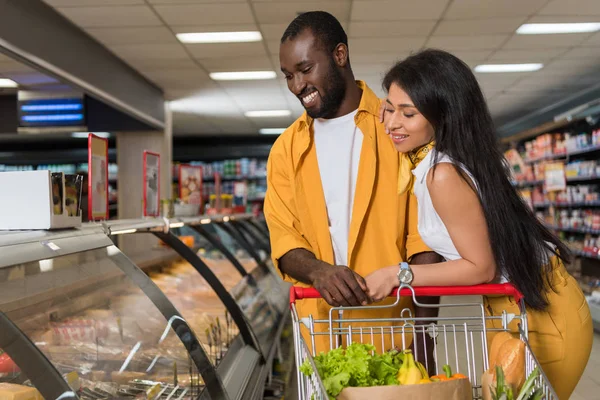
408, 162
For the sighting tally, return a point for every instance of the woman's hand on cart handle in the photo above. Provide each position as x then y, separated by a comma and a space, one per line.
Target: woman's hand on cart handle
507, 289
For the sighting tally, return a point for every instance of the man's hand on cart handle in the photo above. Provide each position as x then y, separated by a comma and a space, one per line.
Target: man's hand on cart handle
340, 286
337, 284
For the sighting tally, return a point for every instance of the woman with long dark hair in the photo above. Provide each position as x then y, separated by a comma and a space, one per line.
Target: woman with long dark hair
470, 213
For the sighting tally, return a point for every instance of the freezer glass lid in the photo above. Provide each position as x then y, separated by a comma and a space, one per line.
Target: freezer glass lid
94, 323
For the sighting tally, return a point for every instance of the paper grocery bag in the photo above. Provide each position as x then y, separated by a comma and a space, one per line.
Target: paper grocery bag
458, 389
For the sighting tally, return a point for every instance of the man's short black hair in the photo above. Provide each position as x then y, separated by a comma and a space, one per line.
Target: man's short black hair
325, 27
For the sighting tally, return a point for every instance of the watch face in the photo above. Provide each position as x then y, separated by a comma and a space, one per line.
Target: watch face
405, 276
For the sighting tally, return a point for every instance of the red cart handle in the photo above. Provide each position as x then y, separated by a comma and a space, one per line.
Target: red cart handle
506, 289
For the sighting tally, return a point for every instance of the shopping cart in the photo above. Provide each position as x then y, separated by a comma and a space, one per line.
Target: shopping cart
459, 341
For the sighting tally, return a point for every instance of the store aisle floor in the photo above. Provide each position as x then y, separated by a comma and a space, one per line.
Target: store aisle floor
589, 385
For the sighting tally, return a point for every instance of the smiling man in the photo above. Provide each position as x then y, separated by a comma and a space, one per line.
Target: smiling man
332, 204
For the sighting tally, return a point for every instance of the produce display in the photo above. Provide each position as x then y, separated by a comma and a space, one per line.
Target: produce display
359, 365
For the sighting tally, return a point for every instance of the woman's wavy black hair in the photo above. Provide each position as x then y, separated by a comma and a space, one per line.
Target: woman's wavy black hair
446, 92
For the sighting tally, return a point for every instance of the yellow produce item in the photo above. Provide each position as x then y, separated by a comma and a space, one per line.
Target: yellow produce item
409, 373
498, 341
10, 391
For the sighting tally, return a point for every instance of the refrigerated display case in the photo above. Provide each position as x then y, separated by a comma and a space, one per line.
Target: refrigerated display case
199, 328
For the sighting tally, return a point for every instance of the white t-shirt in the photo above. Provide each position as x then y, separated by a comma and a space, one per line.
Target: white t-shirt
338, 143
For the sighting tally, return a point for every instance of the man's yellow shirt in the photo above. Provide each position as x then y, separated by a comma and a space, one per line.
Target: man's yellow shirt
383, 228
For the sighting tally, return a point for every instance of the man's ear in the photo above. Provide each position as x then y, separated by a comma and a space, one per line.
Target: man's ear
340, 55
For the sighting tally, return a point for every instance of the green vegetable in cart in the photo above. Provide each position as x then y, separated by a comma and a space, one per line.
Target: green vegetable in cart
356, 366
504, 390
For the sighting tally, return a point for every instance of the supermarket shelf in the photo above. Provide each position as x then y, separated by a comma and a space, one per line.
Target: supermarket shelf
583, 178
545, 158
228, 178
575, 230
584, 151
595, 311
236, 178
541, 205
528, 183
585, 254
582, 204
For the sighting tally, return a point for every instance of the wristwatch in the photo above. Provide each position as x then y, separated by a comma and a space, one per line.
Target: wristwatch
405, 274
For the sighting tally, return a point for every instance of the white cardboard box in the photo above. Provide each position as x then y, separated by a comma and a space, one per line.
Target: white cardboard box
26, 202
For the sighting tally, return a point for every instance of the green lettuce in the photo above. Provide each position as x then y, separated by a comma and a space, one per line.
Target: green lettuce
356, 366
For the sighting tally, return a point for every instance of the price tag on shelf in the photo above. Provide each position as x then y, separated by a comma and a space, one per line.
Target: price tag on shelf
554, 177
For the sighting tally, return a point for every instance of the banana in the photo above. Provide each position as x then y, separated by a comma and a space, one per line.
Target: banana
409, 373
423, 370
402, 372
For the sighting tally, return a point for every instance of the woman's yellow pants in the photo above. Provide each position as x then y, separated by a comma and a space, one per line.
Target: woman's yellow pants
561, 336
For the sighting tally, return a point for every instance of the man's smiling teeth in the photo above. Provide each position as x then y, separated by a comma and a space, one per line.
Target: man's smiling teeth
309, 98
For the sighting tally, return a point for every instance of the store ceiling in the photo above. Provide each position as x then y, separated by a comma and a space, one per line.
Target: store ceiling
27, 77
142, 33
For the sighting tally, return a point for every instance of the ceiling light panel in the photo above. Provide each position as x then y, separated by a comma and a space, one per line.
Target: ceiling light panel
220, 37
498, 68
243, 75
555, 28
268, 113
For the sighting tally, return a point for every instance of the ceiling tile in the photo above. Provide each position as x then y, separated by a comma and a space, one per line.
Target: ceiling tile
215, 28
206, 14
191, 74
478, 42
573, 65
179, 2
285, 12
273, 31
14, 66
259, 99
259, 63
594, 40
384, 44
470, 56
480, 26
377, 58
145, 65
560, 8
122, 36
360, 29
397, 10
231, 125
546, 41
4, 58
525, 56
210, 101
30, 78
84, 3
217, 50
273, 47
187, 123
581, 53
150, 51
98, 17
361, 69
470, 9
500, 81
